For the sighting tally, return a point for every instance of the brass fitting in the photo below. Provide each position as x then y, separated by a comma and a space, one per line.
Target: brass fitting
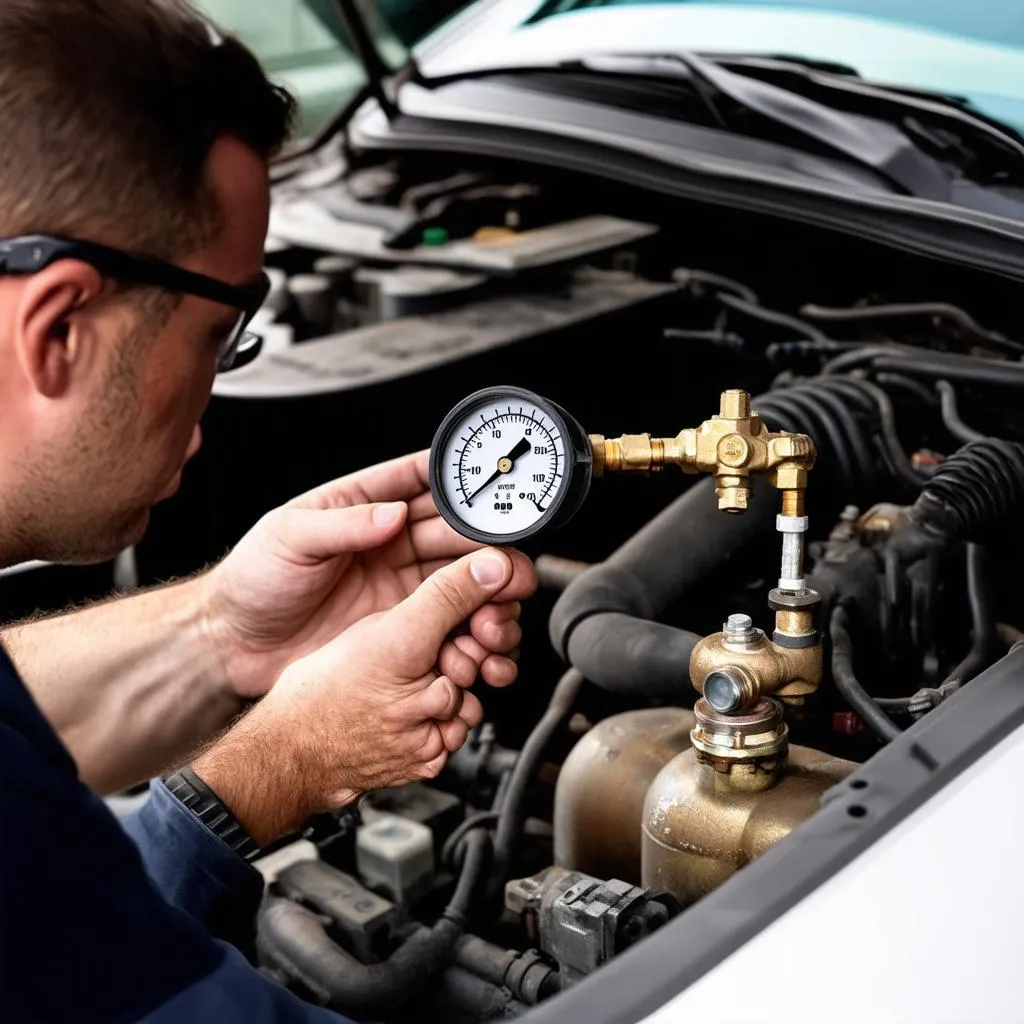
733, 673
732, 446
758, 738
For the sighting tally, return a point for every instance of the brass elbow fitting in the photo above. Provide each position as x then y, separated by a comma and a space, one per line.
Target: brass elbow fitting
734, 669
732, 446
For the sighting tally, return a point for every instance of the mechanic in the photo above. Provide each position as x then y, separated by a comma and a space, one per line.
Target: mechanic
132, 126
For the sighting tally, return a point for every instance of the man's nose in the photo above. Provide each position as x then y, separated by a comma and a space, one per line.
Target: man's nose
196, 443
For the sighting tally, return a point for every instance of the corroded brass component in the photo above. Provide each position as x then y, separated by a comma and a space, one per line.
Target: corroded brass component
757, 740
732, 446
709, 814
599, 800
760, 667
794, 621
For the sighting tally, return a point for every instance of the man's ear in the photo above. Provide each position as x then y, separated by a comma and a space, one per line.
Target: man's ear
52, 337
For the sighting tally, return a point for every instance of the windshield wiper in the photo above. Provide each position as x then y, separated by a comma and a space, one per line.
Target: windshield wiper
748, 106
947, 126
918, 143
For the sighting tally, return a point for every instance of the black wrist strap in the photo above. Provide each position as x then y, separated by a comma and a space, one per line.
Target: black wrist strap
197, 796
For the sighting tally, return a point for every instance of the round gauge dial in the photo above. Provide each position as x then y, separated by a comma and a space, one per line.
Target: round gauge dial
506, 464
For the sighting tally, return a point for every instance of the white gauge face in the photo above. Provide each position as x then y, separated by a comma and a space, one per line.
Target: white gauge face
504, 467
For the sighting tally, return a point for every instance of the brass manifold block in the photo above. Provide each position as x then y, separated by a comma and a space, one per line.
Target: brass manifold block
732, 446
734, 672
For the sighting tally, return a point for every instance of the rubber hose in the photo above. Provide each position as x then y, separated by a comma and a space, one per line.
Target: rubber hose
667, 559
898, 458
512, 812
626, 647
930, 365
852, 432
529, 977
999, 374
951, 415
462, 995
849, 685
293, 940
779, 418
974, 492
942, 310
985, 638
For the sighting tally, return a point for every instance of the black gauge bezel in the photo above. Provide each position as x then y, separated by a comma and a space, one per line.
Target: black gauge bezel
578, 463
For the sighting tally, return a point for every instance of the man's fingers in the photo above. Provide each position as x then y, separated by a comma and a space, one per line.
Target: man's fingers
434, 538
496, 628
454, 734
472, 648
458, 665
434, 767
441, 701
499, 671
451, 595
472, 712
401, 479
313, 535
423, 506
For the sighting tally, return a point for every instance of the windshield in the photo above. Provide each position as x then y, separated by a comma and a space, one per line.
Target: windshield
302, 44
969, 49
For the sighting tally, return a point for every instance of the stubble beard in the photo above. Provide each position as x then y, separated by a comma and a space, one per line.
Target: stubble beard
72, 510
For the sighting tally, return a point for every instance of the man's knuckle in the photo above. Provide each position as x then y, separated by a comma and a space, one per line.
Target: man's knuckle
433, 768
448, 594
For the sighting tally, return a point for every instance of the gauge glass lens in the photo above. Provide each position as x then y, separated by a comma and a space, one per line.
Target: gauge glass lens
504, 467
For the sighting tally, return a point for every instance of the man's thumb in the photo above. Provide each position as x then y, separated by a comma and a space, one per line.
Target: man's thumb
449, 596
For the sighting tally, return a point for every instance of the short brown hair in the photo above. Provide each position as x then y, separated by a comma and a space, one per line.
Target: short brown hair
108, 110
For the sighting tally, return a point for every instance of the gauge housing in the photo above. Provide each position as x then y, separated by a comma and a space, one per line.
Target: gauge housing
576, 475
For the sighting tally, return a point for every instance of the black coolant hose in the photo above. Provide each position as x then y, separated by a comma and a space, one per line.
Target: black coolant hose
512, 810
985, 641
974, 493
849, 685
293, 940
603, 624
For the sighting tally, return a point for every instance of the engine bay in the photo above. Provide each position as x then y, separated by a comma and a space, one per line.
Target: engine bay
809, 551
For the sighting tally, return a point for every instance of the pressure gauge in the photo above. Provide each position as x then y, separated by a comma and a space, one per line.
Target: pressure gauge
507, 464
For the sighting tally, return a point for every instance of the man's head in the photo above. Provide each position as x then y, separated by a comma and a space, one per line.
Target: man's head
130, 123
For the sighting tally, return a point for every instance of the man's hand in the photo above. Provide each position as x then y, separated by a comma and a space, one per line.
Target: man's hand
352, 548
368, 710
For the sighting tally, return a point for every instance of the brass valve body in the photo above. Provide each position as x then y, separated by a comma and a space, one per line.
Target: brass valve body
732, 446
599, 799
702, 822
759, 667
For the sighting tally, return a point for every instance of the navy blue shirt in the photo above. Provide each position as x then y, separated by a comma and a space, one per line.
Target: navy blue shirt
97, 926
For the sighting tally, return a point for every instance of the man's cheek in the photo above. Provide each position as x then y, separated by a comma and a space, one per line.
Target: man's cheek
195, 443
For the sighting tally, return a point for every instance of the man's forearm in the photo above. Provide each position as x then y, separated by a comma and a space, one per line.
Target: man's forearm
132, 686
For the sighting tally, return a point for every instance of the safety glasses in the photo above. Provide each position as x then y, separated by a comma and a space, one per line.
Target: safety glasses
32, 253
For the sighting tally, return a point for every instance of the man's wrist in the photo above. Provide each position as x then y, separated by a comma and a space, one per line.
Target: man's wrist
267, 782
257, 780
245, 672
191, 791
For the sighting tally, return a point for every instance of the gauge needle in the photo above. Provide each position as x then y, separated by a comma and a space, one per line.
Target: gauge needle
504, 466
